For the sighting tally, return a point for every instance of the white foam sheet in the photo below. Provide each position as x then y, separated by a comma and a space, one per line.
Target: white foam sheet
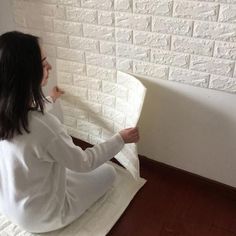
103, 107
99, 218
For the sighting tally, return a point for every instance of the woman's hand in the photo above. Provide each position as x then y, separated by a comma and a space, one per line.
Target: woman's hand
56, 93
130, 135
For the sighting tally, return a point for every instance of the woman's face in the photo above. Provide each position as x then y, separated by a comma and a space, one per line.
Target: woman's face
46, 68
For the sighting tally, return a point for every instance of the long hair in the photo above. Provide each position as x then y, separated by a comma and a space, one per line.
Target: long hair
21, 74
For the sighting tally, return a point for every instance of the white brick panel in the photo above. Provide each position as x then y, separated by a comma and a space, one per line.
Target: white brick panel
123, 5
136, 22
95, 84
92, 129
152, 70
80, 81
114, 115
77, 113
98, 97
99, 32
169, 58
223, 83
94, 108
56, 39
70, 28
38, 22
106, 18
68, 101
108, 87
50, 50
64, 78
121, 105
95, 119
134, 52
172, 26
124, 35
188, 41
70, 121
98, 4
68, 2
107, 48
160, 41
19, 18
60, 12
81, 15
215, 31
122, 92
71, 67
234, 75
213, 66
29, 6
50, 1
56, 11
227, 13
225, 50
18, 5
219, 1
48, 24
37, 33
196, 10
85, 44
101, 73
100, 60
47, 10
227, 1
87, 82
115, 89
189, 77
75, 91
154, 7
124, 64
70, 54
192, 45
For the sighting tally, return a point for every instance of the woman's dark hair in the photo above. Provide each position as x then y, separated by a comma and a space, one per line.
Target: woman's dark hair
21, 74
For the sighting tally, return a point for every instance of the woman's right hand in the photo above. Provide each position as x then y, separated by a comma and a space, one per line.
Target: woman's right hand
130, 135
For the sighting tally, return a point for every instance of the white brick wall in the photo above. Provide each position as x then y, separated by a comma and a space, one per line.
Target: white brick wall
188, 41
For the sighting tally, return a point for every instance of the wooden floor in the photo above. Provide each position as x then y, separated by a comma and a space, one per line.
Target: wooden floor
176, 203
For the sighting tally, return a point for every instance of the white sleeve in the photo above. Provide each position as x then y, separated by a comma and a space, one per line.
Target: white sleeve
64, 151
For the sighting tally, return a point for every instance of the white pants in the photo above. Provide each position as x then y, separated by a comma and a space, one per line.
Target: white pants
83, 189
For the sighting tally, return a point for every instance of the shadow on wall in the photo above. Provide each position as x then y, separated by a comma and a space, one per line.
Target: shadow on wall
190, 128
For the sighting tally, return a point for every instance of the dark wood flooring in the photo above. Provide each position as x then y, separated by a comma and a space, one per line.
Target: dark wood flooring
177, 203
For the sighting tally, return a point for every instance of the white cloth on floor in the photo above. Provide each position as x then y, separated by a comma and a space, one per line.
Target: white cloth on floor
115, 105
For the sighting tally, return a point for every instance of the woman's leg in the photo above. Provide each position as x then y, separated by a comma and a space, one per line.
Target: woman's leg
83, 189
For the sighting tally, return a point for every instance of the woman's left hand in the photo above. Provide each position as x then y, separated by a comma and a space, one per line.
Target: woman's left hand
56, 93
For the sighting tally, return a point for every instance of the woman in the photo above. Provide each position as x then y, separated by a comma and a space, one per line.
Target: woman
46, 182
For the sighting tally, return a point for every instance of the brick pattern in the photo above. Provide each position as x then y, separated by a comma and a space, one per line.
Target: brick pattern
188, 41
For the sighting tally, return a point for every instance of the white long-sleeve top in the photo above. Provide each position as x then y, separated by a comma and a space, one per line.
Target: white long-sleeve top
33, 188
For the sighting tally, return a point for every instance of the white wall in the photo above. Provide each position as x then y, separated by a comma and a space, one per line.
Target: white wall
191, 42
190, 128
7, 23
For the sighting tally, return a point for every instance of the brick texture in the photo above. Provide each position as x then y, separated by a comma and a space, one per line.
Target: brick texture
186, 41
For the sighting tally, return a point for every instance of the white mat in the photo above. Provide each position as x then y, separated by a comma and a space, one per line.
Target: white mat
94, 115
98, 219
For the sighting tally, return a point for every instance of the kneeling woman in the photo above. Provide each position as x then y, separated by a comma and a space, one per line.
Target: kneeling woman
46, 182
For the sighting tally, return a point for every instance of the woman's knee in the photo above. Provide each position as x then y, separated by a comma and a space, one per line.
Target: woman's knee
111, 173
